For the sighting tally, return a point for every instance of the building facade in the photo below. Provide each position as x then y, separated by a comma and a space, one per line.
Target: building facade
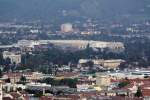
14, 58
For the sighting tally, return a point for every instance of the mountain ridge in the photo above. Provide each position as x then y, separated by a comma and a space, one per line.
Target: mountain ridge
39, 9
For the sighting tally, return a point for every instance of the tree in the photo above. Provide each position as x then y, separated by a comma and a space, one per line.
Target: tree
1, 59
7, 61
38, 94
7, 80
19, 89
1, 74
123, 84
23, 79
69, 82
138, 93
88, 64
146, 76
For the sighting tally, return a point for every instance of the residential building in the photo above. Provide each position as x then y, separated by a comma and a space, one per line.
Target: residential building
67, 27
102, 80
14, 57
110, 64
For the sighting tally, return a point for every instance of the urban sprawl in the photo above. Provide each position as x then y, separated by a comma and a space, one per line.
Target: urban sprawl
75, 61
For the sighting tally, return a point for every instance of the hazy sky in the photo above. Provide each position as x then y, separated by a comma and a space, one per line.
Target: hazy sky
47, 8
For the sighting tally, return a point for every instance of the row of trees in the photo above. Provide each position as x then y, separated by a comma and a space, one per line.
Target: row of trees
63, 82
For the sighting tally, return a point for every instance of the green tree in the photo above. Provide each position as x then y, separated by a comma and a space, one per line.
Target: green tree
138, 93
23, 79
7, 61
123, 84
69, 82
1, 59
88, 64
1, 74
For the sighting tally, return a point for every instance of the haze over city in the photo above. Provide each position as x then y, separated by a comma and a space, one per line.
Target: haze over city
74, 49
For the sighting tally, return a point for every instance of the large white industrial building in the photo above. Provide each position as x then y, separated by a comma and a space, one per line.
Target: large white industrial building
79, 44
82, 44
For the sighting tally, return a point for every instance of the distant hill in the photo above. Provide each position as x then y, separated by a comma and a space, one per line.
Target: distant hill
49, 9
